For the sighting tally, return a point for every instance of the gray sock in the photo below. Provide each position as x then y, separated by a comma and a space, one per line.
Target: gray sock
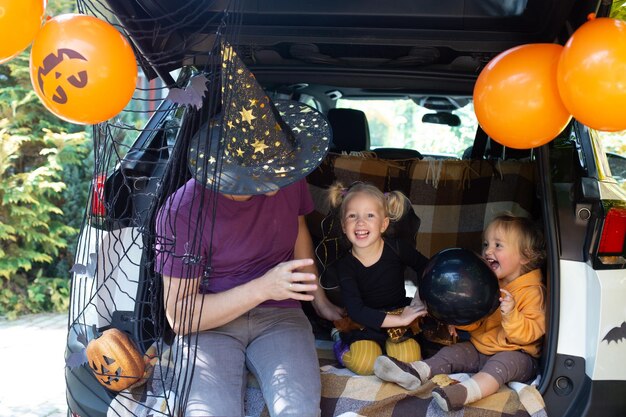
408, 375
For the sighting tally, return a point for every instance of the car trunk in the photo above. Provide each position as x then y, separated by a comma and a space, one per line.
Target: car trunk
367, 48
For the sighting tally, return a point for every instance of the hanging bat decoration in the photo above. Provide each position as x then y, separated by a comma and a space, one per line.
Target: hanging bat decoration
78, 358
89, 269
616, 334
191, 95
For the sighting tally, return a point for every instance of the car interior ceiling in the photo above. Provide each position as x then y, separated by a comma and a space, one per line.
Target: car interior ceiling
339, 34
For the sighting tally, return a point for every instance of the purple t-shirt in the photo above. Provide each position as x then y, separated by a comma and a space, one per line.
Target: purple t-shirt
246, 239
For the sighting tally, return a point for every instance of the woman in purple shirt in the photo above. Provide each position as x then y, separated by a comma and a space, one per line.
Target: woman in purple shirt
236, 256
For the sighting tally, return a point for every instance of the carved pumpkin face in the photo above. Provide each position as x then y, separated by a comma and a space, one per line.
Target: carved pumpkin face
115, 360
62, 72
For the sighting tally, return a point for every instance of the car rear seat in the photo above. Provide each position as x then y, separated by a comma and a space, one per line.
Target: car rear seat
454, 199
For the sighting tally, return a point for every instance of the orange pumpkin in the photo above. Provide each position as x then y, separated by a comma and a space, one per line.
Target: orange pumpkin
115, 360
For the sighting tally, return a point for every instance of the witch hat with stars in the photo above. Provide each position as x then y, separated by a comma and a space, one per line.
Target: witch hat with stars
255, 145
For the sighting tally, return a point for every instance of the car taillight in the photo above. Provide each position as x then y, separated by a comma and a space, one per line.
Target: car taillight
97, 196
611, 248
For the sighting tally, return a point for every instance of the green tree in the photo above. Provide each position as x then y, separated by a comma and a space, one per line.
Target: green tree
618, 9
39, 156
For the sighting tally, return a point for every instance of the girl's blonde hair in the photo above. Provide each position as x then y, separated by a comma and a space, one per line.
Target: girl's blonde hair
529, 238
393, 203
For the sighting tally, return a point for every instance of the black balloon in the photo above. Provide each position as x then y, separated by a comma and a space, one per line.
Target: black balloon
458, 287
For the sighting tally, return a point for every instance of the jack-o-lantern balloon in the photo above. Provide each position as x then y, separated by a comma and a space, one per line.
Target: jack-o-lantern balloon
83, 69
19, 22
115, 360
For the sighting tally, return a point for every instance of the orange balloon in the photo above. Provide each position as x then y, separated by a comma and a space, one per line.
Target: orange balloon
591, 74
20, 20
83, 69
516, 98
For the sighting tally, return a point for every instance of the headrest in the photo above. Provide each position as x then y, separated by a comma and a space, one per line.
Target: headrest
350, 130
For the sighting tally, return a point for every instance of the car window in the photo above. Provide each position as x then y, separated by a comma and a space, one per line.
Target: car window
398, 123
614, 145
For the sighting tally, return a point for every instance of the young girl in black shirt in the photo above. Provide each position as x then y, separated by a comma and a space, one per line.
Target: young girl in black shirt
371, 277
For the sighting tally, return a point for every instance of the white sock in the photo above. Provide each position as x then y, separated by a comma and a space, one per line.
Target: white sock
473, 391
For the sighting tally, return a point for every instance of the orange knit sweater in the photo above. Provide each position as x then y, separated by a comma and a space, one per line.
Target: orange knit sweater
522, 328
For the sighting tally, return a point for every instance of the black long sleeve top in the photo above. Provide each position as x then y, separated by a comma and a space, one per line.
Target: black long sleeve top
368, 292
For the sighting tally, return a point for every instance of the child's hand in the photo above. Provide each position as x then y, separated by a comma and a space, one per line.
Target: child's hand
410, 313
417, 304
452, 330
507, 302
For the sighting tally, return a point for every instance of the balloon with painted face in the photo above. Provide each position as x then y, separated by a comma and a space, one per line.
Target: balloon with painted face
83, 70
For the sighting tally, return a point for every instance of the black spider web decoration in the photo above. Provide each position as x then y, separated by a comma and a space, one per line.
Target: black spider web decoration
136, 168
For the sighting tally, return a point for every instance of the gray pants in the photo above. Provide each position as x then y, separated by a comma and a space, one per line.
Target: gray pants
503, 366
275, 344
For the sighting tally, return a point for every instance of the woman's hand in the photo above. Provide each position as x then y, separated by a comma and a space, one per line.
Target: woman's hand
452, 331
507, 302
285, 281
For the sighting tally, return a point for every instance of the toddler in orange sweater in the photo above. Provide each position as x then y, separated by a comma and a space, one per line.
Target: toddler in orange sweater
506, 345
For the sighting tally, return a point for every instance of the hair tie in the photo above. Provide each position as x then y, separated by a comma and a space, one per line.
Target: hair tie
355, 183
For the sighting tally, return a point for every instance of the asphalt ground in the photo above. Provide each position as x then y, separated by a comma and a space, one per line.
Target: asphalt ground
33, 366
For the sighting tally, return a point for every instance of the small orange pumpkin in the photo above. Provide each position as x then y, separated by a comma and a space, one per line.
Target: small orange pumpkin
115, 360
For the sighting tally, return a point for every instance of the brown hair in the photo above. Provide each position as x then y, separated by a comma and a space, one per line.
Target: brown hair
393, 202
530, 238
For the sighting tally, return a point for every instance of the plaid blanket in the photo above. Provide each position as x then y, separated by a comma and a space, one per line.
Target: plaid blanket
454, 199
343, 394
